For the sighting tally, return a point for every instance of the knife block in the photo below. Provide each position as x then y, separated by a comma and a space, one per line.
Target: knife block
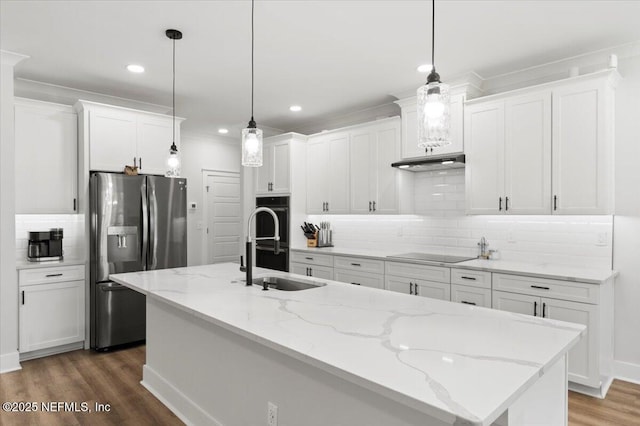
313, 242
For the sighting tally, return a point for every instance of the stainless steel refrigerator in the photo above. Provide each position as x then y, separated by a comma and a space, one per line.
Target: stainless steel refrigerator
138, 223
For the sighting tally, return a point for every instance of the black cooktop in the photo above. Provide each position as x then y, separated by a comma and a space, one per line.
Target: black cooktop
430, 257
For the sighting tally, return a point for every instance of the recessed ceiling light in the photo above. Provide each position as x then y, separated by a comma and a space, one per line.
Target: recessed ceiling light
135, 68
223, 131
425, 68
295, 108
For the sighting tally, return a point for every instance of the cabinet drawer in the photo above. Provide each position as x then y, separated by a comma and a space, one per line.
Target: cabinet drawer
471, 295
422, 272
359, 278
51, 275
555, 289
312, 258
468, 277
359, 264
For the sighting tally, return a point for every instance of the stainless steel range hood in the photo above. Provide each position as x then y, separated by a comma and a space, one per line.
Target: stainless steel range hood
434, 162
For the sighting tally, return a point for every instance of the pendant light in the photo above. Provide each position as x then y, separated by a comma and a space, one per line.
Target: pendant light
433, 103
252, 136
173, 161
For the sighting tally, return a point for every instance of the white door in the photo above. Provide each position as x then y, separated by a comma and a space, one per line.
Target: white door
386, 184
484, 146
280, 183
112, 139
518, 303
580, 158
401, 285
46, 156
528, 154
154, 142
264, 173
51, 315
336, 175
362, 171
410, 146
583, 357
223, 216
317, 166
323, 272
299, 268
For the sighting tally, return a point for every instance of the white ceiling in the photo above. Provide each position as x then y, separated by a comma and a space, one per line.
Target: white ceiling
328, 56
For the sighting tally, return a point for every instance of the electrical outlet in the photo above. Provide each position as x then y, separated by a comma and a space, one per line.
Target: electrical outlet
272, 414
602, 239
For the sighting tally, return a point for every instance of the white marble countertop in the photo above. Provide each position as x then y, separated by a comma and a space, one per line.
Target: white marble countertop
25, 264
446, 359
536, 269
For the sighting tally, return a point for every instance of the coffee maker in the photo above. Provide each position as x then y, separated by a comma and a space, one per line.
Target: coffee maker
46, 245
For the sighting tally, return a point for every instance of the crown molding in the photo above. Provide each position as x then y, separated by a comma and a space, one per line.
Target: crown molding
11, 58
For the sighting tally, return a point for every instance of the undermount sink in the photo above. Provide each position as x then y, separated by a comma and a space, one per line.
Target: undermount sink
287, 284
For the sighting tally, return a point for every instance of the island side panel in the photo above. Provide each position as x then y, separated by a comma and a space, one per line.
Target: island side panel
208, 375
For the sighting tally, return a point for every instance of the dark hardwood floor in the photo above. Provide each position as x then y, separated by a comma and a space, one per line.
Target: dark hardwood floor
114, 378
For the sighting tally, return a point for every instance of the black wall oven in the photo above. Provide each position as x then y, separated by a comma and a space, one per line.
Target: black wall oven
265, 258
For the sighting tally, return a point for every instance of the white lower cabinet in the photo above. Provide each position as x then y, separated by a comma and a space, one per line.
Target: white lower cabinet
51, 308
585, 358
471, 295
311, 270
432, 289
365, 279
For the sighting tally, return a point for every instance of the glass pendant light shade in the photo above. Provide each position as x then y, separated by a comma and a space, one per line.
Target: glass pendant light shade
252, 146
173, 162
434, 115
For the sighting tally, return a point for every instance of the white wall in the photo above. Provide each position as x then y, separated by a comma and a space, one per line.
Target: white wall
73, 241
9, 358
201, 152
626, 253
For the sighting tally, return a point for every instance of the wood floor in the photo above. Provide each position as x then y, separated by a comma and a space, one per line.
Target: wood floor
114, 378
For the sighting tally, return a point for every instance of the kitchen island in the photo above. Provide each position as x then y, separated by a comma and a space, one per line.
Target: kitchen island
218, 352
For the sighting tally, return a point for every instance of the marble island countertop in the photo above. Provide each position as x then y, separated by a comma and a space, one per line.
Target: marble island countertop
533, 268
448, 360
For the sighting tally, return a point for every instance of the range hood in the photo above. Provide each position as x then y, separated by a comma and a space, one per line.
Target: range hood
434, 162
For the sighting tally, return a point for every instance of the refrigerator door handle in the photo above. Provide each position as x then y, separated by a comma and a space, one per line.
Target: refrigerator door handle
145, 224
153, 228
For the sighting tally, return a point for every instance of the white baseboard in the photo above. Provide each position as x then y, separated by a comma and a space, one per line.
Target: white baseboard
627, 371
183, 407
10, 362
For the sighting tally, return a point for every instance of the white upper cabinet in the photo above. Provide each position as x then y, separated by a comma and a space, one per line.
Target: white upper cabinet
374, 183
328, 173
274, 177
509, 155
116, 137
46, 155
410, 128
582, 165
542, 150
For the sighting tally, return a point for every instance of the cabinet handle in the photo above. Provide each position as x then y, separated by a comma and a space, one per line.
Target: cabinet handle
544, 310
53, 275
555, 202
306, 271
506, 204
500, 204
467, 303
415, 289
140, 163
356, 264
374, 206
540, 287
135, 163
535, 309
74, 205
468, 278
369, 205
310, 272
327, 206
309, 258
410, 288
355, 283
23, 297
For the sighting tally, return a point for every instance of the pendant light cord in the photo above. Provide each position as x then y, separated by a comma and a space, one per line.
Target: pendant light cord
173, 106
433, 33
252, 8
